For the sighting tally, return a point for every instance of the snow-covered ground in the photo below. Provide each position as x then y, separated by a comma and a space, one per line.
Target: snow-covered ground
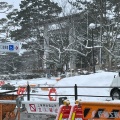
100, 78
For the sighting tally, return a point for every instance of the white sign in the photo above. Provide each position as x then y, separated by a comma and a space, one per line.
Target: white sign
10, 47
50, 107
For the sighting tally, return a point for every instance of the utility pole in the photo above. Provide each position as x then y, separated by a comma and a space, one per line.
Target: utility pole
92, 27
93, 54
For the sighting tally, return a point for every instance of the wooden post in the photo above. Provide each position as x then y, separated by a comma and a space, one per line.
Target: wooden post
0, 111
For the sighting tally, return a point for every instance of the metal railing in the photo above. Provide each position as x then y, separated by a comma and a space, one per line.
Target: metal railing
75, 87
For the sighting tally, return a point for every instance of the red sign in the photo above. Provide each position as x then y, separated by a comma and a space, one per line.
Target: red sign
32, 107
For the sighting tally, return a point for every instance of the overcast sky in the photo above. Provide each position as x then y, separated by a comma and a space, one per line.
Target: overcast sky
16, 2
13, 2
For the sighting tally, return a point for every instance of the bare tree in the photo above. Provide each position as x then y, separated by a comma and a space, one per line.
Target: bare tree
104, 14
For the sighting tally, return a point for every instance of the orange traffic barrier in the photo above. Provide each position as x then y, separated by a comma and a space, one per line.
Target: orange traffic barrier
10, 116
32, 85
88, 110
45, 89
101, 110
58, 79
6, 110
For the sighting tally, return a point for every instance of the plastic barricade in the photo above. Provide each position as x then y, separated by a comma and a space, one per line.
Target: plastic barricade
76, 113
63, 112
2, 83
51, 92
21, 90
89, 110
104, 110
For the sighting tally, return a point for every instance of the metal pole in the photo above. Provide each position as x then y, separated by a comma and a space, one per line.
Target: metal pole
75, 88
93, 52
28, 92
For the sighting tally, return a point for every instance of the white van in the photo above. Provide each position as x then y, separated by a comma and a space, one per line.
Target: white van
115, 87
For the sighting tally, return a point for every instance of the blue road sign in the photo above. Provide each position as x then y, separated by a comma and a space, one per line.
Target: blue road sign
11, 47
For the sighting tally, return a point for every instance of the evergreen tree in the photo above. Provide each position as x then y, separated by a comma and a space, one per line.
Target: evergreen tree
32, 14
4, 9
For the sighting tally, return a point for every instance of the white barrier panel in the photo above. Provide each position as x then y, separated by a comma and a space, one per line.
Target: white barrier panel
42, 107
8, 101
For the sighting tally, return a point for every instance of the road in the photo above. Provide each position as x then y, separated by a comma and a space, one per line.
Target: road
26, 116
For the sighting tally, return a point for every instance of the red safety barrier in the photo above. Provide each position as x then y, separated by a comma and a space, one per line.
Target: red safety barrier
76, 113
2, 83
63, 112
51, 92
21, 90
